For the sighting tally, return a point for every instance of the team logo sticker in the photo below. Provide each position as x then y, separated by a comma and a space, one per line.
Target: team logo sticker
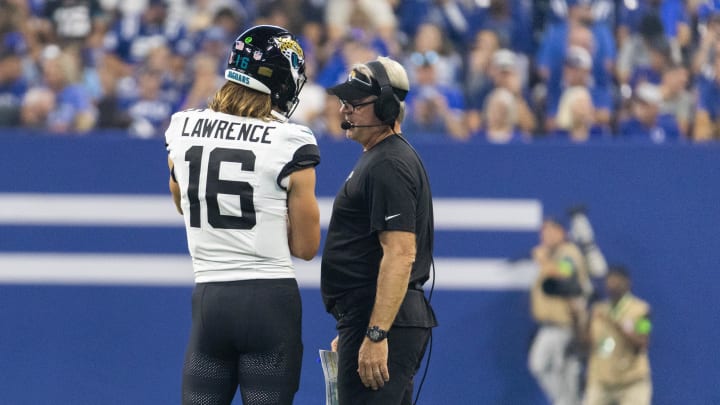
291, 50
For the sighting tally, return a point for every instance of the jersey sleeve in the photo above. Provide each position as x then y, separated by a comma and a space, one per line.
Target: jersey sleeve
173, 129
393, 197
305, 153
170, 133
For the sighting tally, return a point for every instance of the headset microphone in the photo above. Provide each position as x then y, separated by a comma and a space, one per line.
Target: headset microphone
345, 125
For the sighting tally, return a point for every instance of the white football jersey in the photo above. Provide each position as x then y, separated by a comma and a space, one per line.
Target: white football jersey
233, 173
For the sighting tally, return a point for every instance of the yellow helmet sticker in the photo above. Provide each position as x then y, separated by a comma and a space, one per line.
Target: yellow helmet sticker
291, 49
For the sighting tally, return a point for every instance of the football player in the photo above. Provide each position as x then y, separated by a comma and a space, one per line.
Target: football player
243, 178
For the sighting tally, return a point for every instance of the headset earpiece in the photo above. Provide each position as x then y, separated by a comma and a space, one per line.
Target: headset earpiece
387, 106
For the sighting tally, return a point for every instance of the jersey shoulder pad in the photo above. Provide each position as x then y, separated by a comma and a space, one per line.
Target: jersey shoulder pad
301, 142
300, 134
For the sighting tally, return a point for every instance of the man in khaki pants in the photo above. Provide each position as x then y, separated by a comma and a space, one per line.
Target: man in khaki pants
558, 301
619, 370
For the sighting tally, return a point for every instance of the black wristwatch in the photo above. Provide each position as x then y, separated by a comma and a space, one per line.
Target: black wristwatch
376, 334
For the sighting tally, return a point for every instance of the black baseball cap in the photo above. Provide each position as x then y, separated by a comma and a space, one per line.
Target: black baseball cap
358, 86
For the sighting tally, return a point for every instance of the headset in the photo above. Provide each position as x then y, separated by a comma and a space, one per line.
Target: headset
387, 105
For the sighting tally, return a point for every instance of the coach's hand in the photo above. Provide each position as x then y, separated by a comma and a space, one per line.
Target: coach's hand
372, 363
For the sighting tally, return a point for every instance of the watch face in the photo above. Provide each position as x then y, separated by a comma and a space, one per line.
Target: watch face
376, 334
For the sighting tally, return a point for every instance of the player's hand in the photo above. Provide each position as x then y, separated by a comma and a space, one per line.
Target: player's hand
372, 364
334, 344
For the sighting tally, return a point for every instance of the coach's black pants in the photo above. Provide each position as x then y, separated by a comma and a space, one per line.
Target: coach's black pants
406, 347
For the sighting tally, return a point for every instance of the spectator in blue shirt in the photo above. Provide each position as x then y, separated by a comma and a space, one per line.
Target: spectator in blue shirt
111, 115
434, 108
644, 55
133, 36
37, 104
12, 87
577, 72
500, 120
678, 100
342, 17
659, 59
511, 19
199, 16
646, 123
460, 20
603, 11
430, 43
477, 74
205, 82
150, 112
707, 112
709, 36
231, 18
672, 13
411, 13
706, 9
576, 120
504, 73
357, 47
74, 112
581, 30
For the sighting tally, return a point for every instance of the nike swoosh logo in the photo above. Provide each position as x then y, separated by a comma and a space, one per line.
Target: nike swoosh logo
389, 217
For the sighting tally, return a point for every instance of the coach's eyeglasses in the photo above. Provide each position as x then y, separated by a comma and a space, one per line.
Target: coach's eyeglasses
354, 106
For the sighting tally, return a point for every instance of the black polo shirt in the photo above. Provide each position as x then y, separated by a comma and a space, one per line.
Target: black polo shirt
388, 190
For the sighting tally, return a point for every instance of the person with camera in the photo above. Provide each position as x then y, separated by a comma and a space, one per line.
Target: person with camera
558, 303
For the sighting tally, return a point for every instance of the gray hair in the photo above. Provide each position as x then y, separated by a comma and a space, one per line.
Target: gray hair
507, 99
564, 118
396, 75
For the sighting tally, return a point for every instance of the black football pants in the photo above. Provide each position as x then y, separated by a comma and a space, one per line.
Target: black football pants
244, 334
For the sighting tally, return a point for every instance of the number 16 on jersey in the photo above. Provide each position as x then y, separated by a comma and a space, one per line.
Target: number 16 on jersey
214, 186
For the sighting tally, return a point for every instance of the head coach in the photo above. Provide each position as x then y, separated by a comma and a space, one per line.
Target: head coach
378, 250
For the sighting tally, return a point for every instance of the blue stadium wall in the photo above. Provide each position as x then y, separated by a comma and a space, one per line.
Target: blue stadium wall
88, 317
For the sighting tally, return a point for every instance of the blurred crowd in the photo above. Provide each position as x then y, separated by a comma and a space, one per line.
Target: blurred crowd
495, 71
